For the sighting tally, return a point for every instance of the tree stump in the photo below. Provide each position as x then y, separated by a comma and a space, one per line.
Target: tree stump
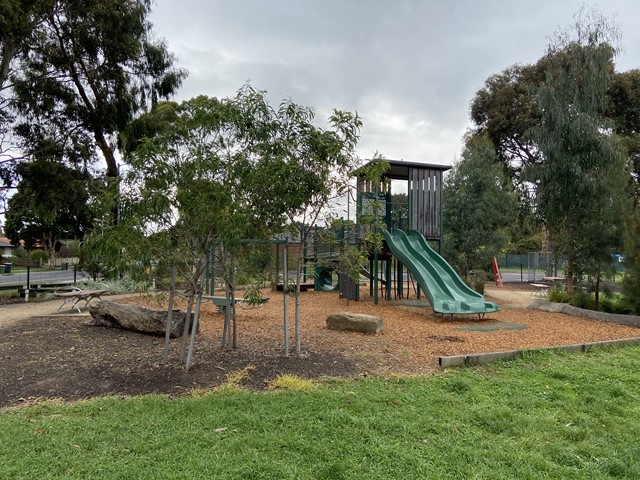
137, 319
354, 322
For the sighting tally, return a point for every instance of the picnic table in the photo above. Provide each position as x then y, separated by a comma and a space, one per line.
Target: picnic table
554, 279
541, 288
79, 295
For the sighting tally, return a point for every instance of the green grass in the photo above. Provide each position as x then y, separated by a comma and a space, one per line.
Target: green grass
548, 415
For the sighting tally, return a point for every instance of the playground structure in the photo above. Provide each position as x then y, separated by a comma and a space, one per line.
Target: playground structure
445, 290
406, 262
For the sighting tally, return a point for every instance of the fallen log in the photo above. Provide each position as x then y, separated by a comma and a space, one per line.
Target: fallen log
135, 318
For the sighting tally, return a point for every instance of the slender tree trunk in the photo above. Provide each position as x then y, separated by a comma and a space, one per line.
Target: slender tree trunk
194, 330
8, 52
597, 292
195, 285
297, 308
569, 273
234, 313
226, 328
172, 290
107, 152
187, 326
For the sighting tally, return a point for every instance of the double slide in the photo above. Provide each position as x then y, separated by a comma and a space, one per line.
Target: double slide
446, 291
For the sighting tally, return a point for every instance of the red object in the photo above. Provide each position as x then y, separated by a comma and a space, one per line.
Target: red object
496, 271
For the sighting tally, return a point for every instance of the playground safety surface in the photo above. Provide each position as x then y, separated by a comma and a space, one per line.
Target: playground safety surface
58, 357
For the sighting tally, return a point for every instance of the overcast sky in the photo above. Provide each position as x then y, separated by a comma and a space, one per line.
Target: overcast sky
410, 68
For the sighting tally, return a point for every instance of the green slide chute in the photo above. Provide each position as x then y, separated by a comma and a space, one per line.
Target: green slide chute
446, 291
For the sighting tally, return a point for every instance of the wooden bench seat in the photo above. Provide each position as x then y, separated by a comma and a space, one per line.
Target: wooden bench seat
78, 295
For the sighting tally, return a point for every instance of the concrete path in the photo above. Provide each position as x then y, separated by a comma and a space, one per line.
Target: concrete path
15, 312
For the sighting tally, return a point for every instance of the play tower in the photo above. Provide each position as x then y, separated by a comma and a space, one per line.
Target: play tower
408, 231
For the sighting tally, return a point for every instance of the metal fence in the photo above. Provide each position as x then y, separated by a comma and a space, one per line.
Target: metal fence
16, 277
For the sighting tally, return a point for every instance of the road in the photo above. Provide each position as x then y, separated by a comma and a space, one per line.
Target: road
41, 277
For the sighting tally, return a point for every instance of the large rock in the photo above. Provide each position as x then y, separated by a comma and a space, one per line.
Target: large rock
138, 319
354, 322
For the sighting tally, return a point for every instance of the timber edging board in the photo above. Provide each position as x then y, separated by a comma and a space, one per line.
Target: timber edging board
484, 358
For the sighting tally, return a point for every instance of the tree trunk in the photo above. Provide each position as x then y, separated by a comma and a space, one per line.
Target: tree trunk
107, 152
569, 274
183, 341
597, 292
8, 52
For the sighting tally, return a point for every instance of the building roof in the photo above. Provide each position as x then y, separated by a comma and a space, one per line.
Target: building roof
4, 242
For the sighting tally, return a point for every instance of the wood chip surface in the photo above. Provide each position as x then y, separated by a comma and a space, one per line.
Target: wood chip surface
413, 337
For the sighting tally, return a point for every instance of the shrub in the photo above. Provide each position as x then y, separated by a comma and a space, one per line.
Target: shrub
126, 284
559, 296
477, 280
582, 299
21, 252
39, 256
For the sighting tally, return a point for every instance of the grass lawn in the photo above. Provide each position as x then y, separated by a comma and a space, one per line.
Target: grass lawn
548, 415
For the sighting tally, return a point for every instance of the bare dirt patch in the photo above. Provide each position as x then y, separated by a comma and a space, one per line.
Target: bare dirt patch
59, 357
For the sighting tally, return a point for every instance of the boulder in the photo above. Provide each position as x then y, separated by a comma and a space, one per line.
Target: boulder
354, 322
137, 319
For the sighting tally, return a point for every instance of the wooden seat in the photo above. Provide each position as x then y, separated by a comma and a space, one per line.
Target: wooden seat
79, 295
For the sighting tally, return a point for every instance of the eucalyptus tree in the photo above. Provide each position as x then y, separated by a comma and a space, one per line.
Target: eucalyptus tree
73, 73
216, 172
315, 165
53, 203
194, 172
479, 207
583, 173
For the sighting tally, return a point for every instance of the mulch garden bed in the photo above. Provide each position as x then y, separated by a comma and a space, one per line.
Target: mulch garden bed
59, 357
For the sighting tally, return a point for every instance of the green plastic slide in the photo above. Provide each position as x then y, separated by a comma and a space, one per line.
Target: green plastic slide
446, 291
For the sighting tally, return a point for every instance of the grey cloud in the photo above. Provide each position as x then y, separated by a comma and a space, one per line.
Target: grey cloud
409, 67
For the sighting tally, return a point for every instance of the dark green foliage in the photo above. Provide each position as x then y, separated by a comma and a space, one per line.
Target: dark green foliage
582, 178
91, 66
53, 202
631, 280
478, 207
38, 256
559, 295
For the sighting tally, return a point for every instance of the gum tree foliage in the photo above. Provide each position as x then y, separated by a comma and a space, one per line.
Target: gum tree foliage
479, 205
19, 20
624, 111
314, 165
53, 203
631, 280
505, 109
215, 172
582, 177
73, 74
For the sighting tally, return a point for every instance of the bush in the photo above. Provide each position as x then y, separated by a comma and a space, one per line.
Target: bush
39, 256
582, 299
477, 280
126, 284
559, 296
21, 253
70, 249
613, 305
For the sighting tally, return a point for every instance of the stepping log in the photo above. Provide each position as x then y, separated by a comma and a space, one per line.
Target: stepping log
354, 322
137, 319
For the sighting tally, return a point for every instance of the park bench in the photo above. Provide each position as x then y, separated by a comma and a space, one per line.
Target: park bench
78, 295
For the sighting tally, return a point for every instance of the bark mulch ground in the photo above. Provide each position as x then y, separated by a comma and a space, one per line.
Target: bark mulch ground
59, 357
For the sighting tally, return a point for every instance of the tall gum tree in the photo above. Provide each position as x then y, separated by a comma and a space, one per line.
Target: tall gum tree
92, 66
478, 209
582, 176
